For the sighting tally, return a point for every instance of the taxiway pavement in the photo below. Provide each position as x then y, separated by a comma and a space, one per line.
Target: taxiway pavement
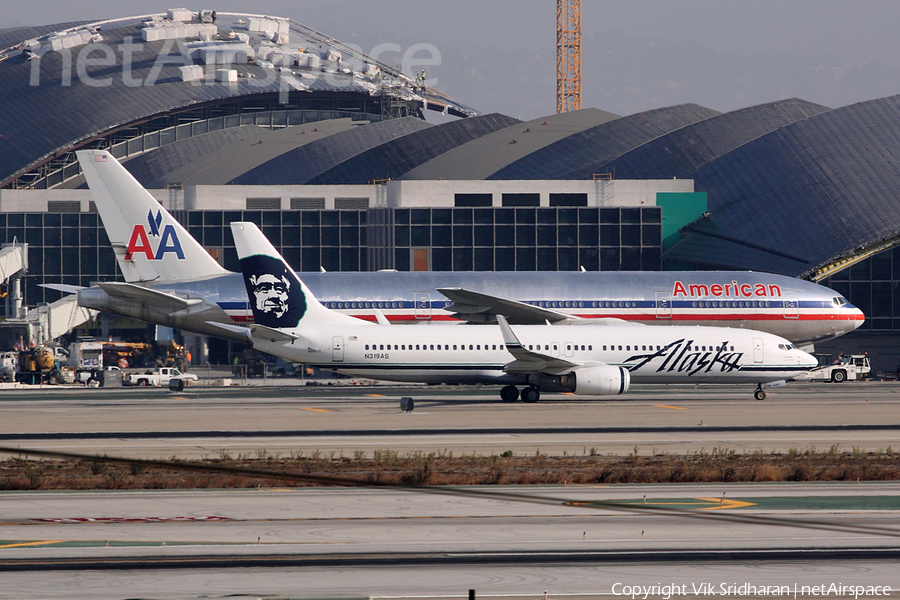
500, 541
201, 422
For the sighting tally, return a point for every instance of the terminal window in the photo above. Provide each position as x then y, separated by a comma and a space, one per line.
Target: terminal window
521, 199
568, 200
469, 200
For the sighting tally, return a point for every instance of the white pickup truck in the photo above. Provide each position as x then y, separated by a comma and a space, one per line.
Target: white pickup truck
159, 377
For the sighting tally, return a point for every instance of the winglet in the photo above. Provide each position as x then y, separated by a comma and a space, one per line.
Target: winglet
509, 338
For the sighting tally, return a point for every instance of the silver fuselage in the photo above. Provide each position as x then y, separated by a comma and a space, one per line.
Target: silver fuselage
800, 311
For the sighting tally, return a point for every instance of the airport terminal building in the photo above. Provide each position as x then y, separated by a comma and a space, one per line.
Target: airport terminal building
333, 153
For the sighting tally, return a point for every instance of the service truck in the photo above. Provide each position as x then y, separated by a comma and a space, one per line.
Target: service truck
86, 356
849, 367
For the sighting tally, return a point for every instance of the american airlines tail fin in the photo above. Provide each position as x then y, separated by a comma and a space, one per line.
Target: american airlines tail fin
150, 245
278, 298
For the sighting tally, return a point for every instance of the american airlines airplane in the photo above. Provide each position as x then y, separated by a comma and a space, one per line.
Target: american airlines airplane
171, 280
596, 358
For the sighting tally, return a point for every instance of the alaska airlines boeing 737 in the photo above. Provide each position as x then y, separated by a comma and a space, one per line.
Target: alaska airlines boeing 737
171, 280
593, 359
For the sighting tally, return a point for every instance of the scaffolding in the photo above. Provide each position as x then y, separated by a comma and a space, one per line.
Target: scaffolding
393, 104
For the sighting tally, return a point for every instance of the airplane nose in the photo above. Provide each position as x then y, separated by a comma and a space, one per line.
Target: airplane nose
851, 318
807, 360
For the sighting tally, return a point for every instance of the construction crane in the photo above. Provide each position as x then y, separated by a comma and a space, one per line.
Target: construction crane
568, 55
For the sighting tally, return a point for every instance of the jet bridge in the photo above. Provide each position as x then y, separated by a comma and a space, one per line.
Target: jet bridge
13, 264
39, 325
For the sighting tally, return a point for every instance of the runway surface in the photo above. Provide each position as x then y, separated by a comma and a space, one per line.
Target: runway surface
388, 543
203, 422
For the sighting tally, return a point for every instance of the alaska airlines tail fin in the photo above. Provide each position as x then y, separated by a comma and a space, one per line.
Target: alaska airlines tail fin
278, 298
150, 245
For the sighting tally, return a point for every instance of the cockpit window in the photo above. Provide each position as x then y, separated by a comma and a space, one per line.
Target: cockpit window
839, 301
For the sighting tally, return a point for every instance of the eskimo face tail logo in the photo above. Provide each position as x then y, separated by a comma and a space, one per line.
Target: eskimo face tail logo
140, 243
276, 297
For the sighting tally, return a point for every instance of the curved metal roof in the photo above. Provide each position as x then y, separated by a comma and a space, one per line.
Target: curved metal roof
576, 156
47, 108
217, 157
300, 165
803, 195
485, 155
683, 151
14, 35
394, 158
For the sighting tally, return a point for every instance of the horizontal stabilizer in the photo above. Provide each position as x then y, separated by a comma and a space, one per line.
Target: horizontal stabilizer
62, 287
528, 361
484, 308
256, 333
150, 298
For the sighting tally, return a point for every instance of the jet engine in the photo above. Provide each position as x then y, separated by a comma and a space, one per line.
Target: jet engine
602, 380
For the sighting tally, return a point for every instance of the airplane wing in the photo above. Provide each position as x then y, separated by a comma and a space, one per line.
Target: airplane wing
527, 361
484, 308
158, 300
258, 332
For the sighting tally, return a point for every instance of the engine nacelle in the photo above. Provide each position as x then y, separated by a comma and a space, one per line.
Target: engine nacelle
602, 380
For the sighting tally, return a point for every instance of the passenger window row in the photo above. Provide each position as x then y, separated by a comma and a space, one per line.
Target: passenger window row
431, 347
537, 348
695, 348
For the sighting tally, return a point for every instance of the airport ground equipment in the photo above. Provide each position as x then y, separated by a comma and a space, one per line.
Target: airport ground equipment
37, 365
850, 367
162, 376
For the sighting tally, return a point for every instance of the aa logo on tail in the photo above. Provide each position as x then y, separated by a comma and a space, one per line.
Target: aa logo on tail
140, 242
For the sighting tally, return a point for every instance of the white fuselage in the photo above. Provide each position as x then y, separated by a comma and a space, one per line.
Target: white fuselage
476, 354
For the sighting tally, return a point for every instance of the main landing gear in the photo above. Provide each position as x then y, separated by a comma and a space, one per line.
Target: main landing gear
759, 394
530, 394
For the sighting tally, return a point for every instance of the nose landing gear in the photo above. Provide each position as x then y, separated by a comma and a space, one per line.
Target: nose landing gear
759, 394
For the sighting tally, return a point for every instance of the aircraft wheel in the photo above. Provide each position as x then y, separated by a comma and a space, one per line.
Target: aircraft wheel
839, 376
759, 394
531, 395
509, 393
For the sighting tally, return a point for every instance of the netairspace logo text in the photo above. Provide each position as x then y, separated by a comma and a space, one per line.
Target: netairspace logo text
667, 591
